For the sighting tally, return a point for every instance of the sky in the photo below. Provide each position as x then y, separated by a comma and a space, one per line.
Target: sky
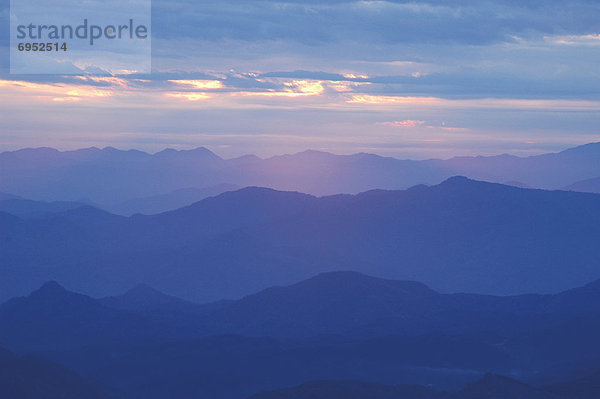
420, 79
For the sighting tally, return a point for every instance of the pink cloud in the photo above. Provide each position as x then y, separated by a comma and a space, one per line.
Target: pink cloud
408, 123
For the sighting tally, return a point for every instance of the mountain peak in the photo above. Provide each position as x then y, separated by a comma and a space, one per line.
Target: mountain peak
50, 287
347, 279
457, 180
144, 291
589, 148
462, 182
306, 155
144, 297
52, 293
198, 152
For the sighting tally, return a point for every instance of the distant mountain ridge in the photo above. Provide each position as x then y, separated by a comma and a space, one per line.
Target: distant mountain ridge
307, 310
110, 176
167, 202
585, 186
27, 208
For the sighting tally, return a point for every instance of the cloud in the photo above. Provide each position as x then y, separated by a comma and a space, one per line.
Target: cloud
408, 123
314, 22
190, 96
200, 84
392, 100
592, 39
276, 76
51, 92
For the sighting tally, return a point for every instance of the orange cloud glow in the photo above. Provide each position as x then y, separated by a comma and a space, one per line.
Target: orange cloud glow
200, 84
190, 96
345, 86
295, 88
56, 92
483, 103
353, 76
105, 79
370, 99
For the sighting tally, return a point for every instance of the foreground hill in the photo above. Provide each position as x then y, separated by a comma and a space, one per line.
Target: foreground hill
540, 330
346, 303
335, 326
587, 387
496, 387
358, 305
54, 318
489, 387
230, 366
27, 377
349, 390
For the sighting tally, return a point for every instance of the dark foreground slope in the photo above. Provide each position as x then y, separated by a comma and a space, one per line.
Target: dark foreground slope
337, 303
229, 366
489, 387
335, 326
27, 377
54, 318
349, 390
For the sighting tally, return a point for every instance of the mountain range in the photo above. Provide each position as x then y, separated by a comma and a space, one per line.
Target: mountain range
459, 236
119, 180
148, 344
332, 304
325, 276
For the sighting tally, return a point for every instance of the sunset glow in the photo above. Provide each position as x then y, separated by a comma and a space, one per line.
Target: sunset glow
281, 80
200, 84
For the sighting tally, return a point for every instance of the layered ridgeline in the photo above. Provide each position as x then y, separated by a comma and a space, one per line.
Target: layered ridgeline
347, 303
134, 181
331, 328
458, 236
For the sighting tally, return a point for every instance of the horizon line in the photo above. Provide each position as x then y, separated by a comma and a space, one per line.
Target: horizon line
308, 150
